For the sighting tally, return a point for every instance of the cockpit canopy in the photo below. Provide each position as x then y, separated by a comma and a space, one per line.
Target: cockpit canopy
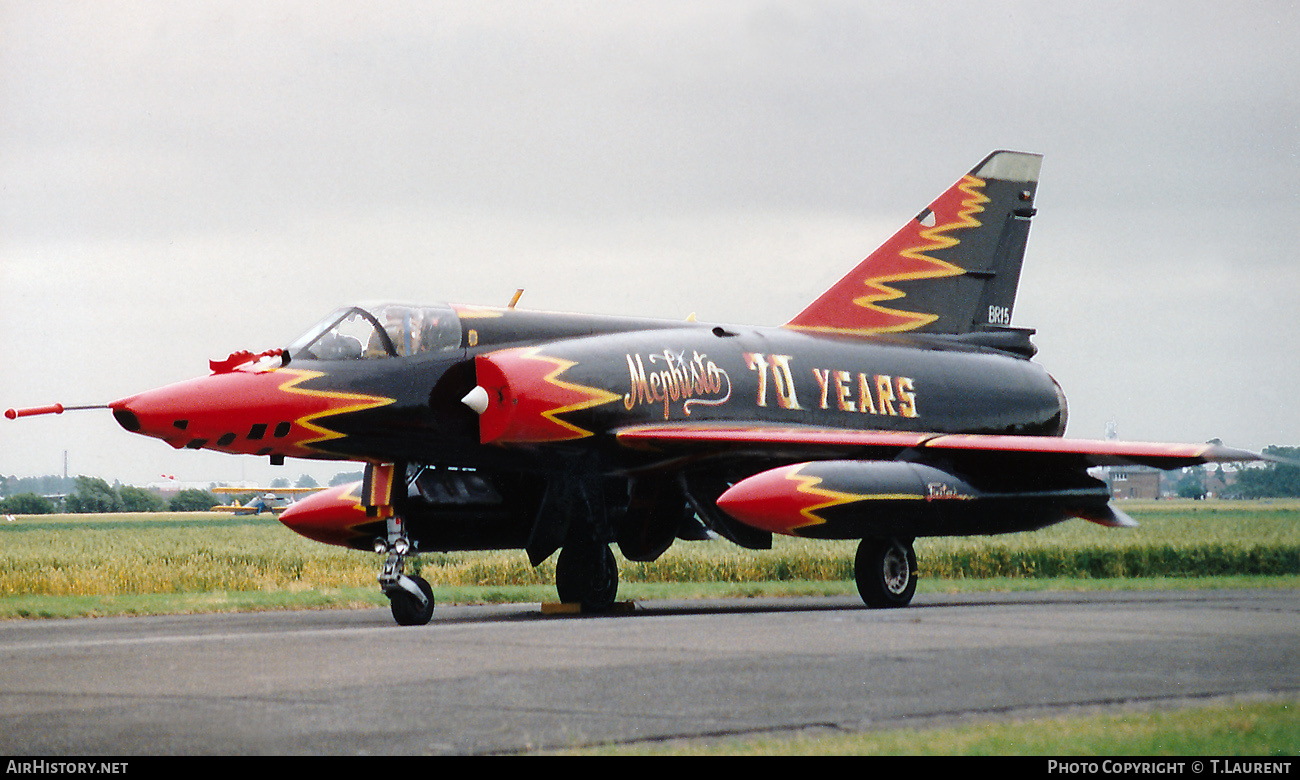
379, 331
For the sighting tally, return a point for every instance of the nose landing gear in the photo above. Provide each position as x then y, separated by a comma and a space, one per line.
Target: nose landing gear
409, 596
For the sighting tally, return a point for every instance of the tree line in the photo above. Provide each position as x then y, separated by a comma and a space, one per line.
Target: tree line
1276, 480
85, 495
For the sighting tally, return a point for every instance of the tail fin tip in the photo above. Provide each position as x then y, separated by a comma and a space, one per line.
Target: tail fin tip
1010, 166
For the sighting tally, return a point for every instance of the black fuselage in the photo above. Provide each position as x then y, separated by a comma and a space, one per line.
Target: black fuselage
656, 371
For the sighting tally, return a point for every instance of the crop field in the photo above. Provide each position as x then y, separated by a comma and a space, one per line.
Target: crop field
175, 553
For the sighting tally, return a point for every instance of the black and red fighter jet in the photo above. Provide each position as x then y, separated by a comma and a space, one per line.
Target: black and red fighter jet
899, 404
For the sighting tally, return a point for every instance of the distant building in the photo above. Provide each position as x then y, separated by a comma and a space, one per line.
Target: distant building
1151, 483
1147, 482
1134, 482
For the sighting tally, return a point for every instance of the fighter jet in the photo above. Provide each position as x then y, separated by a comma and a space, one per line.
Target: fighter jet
899, 404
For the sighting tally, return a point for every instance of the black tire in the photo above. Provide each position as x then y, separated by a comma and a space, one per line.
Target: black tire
407, 610
885, 570
587, 574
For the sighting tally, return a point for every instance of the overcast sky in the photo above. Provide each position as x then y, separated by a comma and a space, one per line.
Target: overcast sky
179, 180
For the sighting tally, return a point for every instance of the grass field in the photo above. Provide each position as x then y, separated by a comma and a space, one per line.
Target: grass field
1257, 729
55, 565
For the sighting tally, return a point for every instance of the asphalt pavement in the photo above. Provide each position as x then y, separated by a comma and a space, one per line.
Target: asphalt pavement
510, 679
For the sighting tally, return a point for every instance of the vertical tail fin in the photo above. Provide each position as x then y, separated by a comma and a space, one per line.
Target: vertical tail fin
952, 269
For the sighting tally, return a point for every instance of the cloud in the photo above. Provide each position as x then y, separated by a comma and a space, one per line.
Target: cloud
180, 181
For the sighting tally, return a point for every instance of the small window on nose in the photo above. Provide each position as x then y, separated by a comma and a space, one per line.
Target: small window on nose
257, 431
281, 430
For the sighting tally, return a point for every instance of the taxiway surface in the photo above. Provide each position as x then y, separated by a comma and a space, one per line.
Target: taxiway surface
503, 679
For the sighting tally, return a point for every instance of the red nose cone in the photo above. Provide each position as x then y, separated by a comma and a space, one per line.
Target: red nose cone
249, 412
333, 516
216, 412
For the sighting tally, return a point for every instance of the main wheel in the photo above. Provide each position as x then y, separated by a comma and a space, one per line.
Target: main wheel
587, 574
885, 570
407, 609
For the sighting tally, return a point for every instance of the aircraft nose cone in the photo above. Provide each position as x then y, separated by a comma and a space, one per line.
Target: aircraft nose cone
161, 413
276, 412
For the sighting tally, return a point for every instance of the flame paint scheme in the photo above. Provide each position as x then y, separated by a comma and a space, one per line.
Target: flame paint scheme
901, 403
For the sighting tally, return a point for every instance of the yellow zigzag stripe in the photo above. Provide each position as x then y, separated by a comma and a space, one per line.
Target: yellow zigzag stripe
937, 238
362, 402
596, 396
808, 484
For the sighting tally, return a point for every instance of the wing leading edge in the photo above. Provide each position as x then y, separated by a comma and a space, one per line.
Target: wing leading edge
721, 438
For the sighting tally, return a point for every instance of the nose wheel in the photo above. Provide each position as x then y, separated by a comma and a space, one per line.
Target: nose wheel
409, 596
411, 601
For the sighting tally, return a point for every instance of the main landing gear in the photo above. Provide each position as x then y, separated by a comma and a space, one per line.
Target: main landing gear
586, 573
885, 570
